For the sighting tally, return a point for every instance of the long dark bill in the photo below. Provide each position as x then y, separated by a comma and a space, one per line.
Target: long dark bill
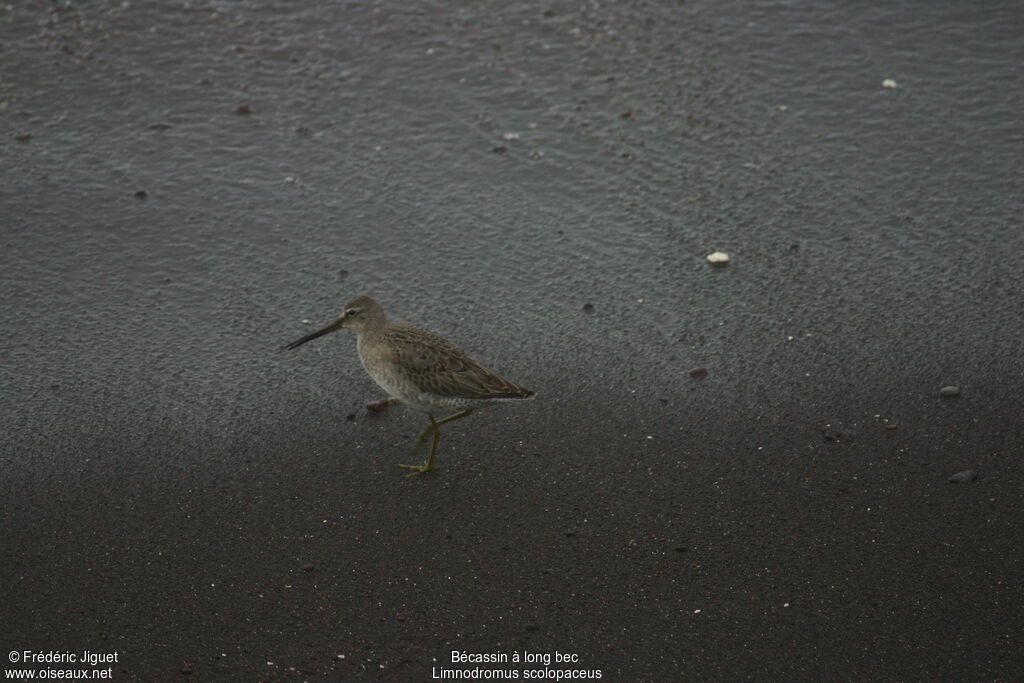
319, 333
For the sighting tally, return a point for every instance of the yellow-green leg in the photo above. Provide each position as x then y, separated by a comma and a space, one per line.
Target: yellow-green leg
435, 428
429, 429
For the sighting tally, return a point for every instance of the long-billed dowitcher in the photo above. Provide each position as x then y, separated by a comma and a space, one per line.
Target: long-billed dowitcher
419, 368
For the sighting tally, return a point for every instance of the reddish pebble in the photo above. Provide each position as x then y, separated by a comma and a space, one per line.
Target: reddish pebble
698, 372
243, 109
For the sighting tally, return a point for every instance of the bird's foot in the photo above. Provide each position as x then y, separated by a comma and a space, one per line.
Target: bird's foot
381, 405
418, 469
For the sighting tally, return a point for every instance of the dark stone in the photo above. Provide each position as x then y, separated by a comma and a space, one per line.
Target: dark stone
964, 477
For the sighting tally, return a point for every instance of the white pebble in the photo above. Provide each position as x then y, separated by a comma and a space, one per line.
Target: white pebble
718, 258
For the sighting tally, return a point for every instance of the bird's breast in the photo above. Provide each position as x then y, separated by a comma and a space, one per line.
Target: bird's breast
382, 368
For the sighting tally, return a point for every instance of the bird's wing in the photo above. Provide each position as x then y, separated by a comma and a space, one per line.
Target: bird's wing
437, 366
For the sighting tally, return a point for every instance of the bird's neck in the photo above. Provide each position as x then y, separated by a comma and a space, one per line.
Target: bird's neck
373, 330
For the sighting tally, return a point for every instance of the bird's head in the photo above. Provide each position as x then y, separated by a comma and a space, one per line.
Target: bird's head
360, 314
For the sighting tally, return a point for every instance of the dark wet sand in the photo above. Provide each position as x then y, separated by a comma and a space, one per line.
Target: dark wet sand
178, 490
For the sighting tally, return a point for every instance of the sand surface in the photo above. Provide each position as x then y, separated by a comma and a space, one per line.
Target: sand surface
188, 186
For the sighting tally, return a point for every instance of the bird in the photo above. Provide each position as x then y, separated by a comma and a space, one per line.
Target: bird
420, 369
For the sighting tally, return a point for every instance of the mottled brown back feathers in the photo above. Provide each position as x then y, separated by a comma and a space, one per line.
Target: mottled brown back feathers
437, 366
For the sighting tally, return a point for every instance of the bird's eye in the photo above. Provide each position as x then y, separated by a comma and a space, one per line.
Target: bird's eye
351, 312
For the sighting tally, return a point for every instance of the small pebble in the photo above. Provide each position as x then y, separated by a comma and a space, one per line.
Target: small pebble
889, 83
23, 137
949, 391
588, 308
838, 435
243, 109
698, 372
141, 194
963, 477
499, 149
718, 258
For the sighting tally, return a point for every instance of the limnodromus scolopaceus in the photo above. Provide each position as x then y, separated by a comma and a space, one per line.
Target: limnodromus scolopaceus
419, 368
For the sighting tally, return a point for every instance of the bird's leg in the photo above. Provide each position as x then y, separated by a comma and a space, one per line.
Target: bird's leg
430, 428
427, 431
429, 464
435, 427
454, 416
